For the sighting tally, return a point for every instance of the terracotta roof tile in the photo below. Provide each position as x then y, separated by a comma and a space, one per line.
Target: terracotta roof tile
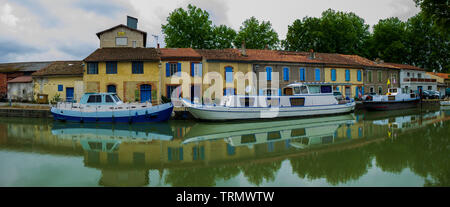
179, 54
61, 68
21, 79
123, 54
442, 75
405, 66
22, 66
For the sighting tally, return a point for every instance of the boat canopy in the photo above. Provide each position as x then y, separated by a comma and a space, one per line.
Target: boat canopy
308, 88
100, 99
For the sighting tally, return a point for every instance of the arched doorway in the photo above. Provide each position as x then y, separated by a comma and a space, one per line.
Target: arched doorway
111, 88
146, 93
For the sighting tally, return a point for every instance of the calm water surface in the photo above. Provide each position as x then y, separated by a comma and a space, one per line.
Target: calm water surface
399, 148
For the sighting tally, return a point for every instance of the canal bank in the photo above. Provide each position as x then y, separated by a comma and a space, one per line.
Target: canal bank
179, 113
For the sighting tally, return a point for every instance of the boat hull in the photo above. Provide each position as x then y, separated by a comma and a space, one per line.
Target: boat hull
157, 113
236, 113
390, 105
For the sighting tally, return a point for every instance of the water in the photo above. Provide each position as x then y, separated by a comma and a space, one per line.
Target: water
398, 148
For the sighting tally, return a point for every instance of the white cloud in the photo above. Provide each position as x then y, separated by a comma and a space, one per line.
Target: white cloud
66, 29
6, 16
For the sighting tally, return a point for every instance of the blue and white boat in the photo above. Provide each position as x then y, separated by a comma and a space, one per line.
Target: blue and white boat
299, 99
107, 107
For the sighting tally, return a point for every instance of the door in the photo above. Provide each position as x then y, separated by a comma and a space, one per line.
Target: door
69, 94
111, 89
146, 93
348, 93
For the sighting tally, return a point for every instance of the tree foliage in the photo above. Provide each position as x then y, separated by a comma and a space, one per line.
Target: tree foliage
388, 41
333, 32
438, 11
223, 37
257, 35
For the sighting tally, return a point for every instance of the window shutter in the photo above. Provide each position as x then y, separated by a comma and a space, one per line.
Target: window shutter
192, 69
269, 73
317, 75
179, 69
167, 70
200, 69
260, 92
302, 74
279, 91
347, 75
359, 75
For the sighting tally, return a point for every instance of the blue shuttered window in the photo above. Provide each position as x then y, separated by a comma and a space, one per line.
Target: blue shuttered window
137, 67
347, 75
317, 74
111, 67
302, 74
167, 69
269, 73
286, 74
92, 68
333, 74
196, 69
359, 75
60, 88
179, 69
229, 74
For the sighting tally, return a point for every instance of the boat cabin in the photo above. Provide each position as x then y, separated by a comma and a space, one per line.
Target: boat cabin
301, 89
100, 99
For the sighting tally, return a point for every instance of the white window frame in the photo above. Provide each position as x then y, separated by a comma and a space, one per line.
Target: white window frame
118, 43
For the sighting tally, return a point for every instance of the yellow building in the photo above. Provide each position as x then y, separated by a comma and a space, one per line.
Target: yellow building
348, 80
61, 78
232, 66
132, 73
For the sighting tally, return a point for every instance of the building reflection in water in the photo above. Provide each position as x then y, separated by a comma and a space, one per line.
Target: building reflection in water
338, 148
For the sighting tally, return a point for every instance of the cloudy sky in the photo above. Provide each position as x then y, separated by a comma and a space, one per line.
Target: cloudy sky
41, 30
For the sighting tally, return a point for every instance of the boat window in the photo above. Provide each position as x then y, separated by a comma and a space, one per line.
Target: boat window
304, 90
95, 145
95, 99
325, 89
404, 90
248, 138
298, 132
297, 101
273, 135
314, 89
108, 99
117, 99
297, 90
247, 101
393, 90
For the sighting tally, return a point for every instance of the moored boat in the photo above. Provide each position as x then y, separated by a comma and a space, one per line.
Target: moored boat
396, 98
107, 107
299, 99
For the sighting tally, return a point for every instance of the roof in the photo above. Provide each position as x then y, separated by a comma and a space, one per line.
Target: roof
405, 66
253, 55
22, 66
442, 75
123, 54
72, 68
179, 54
21, 79
369, 63
122, 25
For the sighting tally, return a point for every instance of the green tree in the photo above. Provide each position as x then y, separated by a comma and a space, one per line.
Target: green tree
223, 37
191, 28
436, 10
257, 35
388, 41
334, 32
428, 45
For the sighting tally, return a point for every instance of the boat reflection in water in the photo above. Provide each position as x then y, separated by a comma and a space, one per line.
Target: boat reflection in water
337, 150
298, 133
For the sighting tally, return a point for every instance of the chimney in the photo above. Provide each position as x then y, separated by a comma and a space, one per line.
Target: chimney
132, 22
243, 52
312, 54
157, 45
266, 47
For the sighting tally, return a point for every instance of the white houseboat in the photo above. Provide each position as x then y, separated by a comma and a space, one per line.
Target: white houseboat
396, 98
299, 99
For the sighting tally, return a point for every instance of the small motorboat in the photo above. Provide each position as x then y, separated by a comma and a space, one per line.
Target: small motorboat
300, 99
396, 98
107, 107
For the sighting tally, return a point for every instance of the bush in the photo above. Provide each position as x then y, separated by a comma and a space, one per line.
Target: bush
56, 99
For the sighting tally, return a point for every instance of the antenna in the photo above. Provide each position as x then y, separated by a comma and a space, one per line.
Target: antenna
156, 38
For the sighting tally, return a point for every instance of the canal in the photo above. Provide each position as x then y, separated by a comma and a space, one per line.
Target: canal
398, 148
